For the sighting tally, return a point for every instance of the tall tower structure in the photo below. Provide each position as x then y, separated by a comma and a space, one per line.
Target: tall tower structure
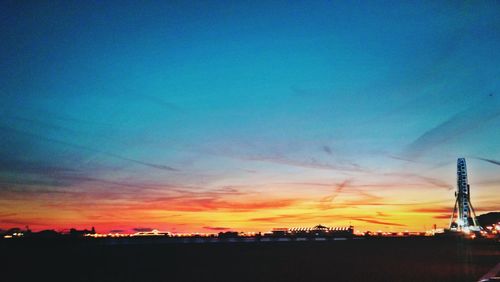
463, 217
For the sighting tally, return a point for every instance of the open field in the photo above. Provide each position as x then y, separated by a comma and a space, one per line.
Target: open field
422, 259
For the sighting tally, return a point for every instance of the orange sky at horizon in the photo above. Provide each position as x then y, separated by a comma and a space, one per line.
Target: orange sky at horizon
365, 207
247, 115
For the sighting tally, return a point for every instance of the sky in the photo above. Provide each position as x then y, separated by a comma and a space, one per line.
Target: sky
206, 116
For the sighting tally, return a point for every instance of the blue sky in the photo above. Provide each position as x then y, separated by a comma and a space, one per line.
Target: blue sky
162, 98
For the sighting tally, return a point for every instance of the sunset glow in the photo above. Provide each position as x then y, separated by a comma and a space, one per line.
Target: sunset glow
205, 117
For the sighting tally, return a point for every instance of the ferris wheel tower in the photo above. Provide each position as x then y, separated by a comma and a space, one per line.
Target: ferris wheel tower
463, 217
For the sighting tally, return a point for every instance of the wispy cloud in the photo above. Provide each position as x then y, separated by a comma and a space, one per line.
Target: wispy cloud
442, 216
433, 210
216, 228
22, 177
374, 221
22, 166
382, 214
116, 230
136, 199
457, 125
486, 208
160, 101
311, 163
278, 218
90, 149
38, 123
495, 162
327, 150
143, 229
326, 202
196, 203
298, 218
403, 178
3, 215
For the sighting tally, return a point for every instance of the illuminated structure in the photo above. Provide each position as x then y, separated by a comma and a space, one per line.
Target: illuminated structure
318, 230
463, 217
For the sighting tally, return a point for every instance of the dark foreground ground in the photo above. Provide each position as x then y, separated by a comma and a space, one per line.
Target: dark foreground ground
419, 260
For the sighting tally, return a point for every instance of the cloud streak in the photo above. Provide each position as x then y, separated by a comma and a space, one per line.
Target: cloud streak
495, 162
327, 150
216, 228
312, 163
433, 210
455, 126
143, 229
374, 221
326, 202
89, 149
